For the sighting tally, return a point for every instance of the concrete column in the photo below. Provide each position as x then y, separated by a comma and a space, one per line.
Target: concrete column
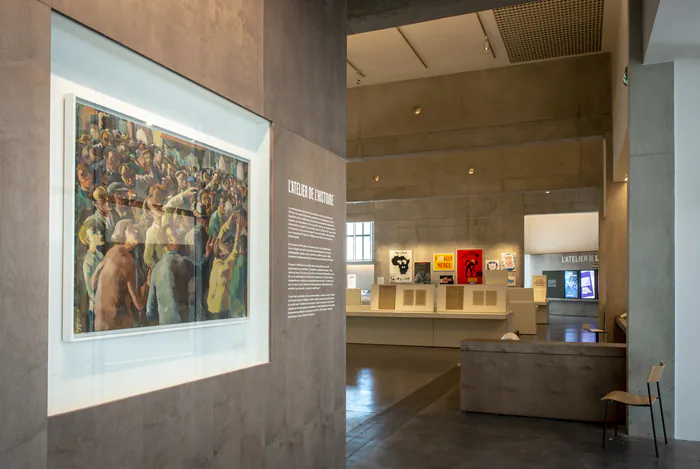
651, 333
613, 248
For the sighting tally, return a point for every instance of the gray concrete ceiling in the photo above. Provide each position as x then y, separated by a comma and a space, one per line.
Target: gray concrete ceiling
371, 15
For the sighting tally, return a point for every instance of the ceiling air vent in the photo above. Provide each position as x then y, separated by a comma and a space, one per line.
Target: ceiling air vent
551, 28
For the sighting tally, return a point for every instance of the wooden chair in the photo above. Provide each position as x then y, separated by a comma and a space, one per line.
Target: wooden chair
597, 332
622, 397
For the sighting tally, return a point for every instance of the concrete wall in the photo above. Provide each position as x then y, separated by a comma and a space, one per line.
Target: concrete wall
687, 256
264, 55
494, 223
539, 167
552, 100
651, 328
620, 95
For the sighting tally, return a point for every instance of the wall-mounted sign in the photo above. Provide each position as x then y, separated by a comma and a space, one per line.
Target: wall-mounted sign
578, 258
443, 262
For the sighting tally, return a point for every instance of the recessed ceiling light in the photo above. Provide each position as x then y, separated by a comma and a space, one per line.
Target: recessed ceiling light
546, 192
626, 178
376, 178
471, 171
417, 110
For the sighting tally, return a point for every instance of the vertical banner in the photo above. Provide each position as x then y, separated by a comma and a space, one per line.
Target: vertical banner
470, 266
401, 266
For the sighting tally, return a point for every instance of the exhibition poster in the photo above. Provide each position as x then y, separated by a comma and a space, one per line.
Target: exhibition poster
512, 280
160, 226
422, 272
492, 265
447, 279
470, 268
443, 262
401, 266
508, 261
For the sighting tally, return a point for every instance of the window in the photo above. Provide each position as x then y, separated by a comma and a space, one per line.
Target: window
360, 241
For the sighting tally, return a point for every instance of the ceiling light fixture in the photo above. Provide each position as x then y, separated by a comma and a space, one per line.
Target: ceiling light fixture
417, 110
471, 171
626, 178
546, 192
487, 46
376, 178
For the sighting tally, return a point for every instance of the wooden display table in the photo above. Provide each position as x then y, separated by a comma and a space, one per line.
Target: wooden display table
424, 329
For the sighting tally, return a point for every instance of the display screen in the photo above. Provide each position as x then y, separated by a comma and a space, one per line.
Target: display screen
555, 283
571, 283
588, 284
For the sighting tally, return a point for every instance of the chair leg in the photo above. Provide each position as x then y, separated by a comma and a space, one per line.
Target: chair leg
605, 423
617, 415
661, 406
653, 428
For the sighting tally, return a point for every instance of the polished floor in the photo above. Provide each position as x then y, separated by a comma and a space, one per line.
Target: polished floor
403, 412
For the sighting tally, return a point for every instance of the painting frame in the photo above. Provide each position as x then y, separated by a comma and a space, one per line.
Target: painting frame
142, 117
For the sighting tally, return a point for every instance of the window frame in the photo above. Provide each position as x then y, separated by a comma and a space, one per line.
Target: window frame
363, 236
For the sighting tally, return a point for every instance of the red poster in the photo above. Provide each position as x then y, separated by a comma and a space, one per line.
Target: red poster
470, 266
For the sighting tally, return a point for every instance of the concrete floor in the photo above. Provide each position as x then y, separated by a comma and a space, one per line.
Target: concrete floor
403, 412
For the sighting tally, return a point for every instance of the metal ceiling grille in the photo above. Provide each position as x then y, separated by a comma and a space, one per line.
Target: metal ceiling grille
551, 28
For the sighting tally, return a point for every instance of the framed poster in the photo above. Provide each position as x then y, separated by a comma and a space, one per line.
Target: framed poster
401, 266
512, 280
508, 261
492, 265
470, 266
443, 262
158, 227
447, 279
422, 272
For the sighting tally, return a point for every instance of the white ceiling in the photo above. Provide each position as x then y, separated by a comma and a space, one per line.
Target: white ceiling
448, 45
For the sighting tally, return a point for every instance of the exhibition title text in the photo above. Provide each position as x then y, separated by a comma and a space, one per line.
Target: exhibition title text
302, 190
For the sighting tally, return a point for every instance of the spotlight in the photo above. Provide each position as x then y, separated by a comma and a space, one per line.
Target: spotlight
487, 46
417, 110
626, 178
376, 178
471, 171
546, 192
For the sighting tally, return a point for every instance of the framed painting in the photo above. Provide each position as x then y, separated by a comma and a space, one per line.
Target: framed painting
158, 224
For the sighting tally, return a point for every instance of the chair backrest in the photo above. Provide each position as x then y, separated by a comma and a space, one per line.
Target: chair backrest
655, 373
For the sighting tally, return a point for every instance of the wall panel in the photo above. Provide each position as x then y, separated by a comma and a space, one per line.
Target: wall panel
218, 44
24, 189
305, 71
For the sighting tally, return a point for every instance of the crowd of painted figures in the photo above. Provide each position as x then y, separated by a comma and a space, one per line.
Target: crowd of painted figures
161, 228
